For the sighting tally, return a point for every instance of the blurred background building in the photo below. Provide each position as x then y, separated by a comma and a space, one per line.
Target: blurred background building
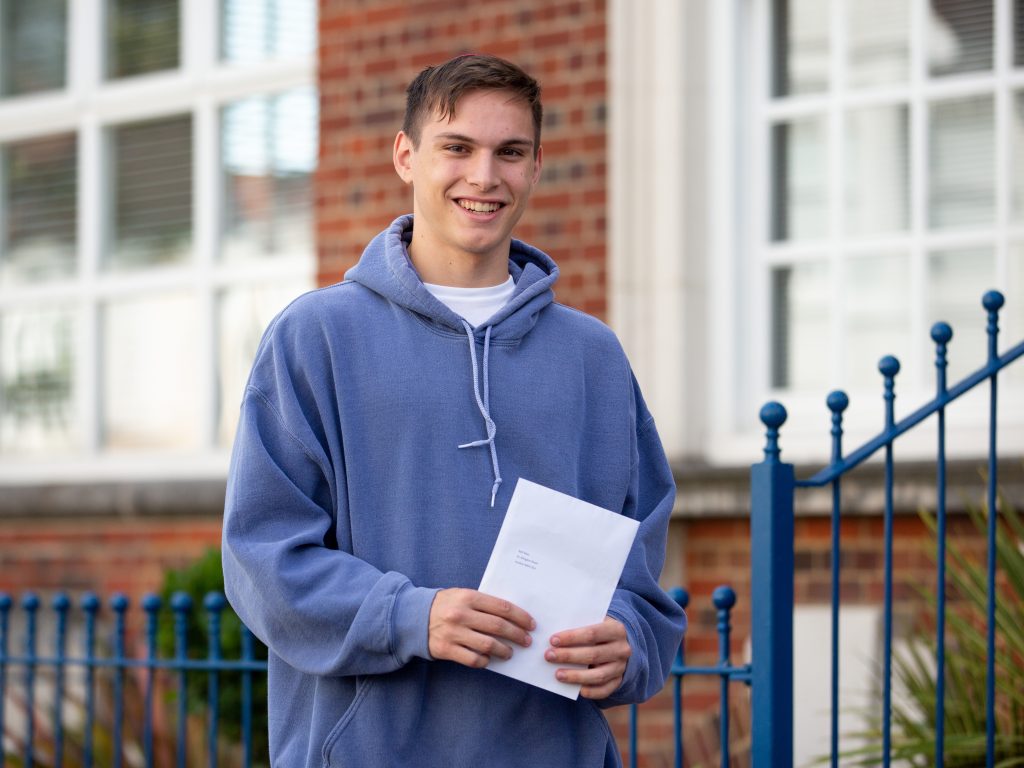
761, 197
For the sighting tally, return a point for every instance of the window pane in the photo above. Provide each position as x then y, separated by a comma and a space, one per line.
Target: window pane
1013, 324
243, 313
960, 36
152, 206
38, 209
151, 388
1017, 150
800, 326
956, 281
961, 157
36, 381
142, 36
33, 46
269, 147
799, 209
800, 47
877, 315
877, 170
253, 30
879, 40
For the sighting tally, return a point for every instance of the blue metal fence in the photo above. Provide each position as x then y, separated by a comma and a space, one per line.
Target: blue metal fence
110, 656
773, 490
773, 485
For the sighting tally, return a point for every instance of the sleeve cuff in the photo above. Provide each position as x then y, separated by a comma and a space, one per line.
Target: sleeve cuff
634, 664
409, 623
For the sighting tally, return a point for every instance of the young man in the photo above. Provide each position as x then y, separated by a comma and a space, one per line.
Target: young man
384, 426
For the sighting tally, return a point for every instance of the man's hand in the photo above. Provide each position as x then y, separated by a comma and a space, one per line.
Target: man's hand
468, 627
603, 648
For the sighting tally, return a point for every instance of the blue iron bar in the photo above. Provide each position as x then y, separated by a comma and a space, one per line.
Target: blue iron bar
151, 604
832, 471
91, 605
992, 302
682, 597
889, 366
31, 604
129, 663
120, 605
181, 604
736, 674
941, 334
5, 605
247, 644
61, 604
837, 402
724, 599
214, 604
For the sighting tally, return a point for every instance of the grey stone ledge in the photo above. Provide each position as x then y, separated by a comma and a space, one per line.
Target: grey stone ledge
706, 491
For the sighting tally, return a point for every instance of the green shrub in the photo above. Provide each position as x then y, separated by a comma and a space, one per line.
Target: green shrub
197, 580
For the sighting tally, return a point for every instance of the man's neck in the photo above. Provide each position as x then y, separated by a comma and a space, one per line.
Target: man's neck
458, 270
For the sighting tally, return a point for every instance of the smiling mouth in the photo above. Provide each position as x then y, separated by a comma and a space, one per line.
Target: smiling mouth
477, 206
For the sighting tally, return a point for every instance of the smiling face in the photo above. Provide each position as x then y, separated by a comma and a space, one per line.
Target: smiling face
472, 176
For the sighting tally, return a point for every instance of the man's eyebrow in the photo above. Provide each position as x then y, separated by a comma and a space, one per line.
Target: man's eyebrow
513, 142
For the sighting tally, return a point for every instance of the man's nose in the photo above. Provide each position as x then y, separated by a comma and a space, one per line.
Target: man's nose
483, 171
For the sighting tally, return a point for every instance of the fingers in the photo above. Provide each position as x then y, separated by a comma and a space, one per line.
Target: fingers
469, 627
595, 682
602, 649
607, 631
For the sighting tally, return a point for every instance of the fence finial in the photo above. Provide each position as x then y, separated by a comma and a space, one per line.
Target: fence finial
680, 595
993, 301
837, 402
724, 597
941, 334
773, 416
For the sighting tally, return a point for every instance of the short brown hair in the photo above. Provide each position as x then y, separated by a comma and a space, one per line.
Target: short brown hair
439, 88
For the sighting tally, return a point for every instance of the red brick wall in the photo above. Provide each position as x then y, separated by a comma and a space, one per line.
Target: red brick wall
370, 50
103, 554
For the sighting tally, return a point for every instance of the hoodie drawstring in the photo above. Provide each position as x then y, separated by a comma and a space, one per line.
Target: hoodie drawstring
483, 403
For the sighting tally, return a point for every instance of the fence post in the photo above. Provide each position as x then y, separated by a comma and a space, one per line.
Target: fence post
772, 484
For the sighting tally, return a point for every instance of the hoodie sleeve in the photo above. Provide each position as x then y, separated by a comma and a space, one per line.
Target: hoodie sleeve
323, 611
654, 622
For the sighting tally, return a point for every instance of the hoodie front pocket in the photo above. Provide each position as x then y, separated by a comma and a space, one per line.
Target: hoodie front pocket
363, 686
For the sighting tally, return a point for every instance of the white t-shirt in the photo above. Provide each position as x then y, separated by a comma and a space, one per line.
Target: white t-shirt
474, 304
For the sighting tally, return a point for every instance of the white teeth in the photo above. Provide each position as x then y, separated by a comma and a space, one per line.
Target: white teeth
478, 207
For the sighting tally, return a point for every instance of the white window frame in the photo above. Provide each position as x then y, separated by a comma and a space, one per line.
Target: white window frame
707, 375
88, 106
806, 437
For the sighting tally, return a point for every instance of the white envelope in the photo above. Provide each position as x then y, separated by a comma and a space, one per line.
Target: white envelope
559, 559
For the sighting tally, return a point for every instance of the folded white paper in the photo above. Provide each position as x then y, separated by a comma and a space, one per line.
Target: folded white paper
559, 559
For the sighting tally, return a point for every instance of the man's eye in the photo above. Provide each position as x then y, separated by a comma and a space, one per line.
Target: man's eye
457, 148
511, 152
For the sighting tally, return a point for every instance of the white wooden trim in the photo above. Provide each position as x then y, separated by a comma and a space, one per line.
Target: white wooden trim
653, 288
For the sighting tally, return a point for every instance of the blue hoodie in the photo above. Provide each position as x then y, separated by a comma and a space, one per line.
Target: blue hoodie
350, 503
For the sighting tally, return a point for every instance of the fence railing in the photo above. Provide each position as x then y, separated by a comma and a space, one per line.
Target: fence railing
44, 736
773, 485
773, 489
723, 598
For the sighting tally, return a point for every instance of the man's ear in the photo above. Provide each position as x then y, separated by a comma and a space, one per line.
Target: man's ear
538, 163
402, 157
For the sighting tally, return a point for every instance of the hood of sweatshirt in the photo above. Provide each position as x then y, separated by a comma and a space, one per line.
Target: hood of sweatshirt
385, 268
